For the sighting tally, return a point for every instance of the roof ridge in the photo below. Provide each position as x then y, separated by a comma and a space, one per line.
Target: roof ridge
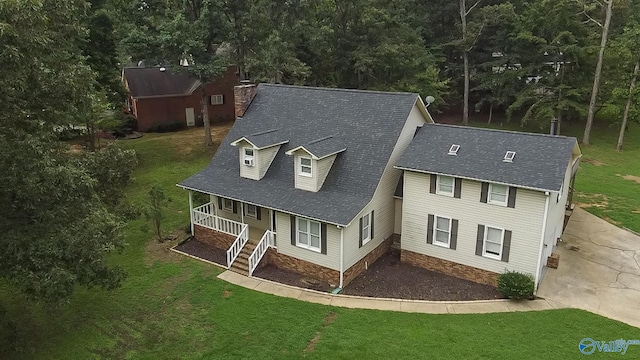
504, 131
338, 89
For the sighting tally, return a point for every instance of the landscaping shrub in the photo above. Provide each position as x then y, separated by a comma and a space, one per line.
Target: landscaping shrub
161, 128
516, 285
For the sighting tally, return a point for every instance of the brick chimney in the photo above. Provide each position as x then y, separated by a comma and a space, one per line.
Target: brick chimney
242, 95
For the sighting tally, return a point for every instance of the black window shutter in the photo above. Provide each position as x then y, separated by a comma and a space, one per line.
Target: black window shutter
484, 192
235, 207
219, 203
457, 190
258, 211
360, 238
432, 187
511, 202
454, 234
371, 224
430, 229
506, 245
323, 238
480, 240
293, 230
244, 209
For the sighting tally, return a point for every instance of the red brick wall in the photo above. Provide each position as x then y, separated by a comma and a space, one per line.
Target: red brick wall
303, 267
370, 258
450, 268
214, 238
168, 110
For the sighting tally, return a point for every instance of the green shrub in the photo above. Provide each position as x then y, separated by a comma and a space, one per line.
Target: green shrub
516, 285
168, 127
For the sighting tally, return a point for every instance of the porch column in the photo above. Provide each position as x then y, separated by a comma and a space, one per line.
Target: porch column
242, 212
191, 210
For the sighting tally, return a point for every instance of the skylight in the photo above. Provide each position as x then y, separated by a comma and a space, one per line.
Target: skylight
453, 150
508, 157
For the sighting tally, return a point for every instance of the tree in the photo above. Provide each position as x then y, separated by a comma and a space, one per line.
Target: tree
627, 108
156, 208
596, 77
56, 230
464, 11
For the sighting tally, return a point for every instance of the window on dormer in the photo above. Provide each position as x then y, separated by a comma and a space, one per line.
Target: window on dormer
305, 166
247, 157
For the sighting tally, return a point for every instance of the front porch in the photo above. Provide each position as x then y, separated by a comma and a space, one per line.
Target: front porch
245, 244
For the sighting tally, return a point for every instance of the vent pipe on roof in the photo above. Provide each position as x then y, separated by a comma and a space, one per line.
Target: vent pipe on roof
554, 127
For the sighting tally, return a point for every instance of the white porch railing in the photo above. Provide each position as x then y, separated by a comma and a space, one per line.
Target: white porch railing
203, 216
265, 243
237, 245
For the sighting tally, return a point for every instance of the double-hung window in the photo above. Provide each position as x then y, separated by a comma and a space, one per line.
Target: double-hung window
445, 185
227, 204
305, 166
308, 234
442, 231
493, 238
248, 158
498, 194
252, 211
366, 228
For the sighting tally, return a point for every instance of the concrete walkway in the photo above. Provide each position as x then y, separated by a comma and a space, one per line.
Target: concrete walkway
416, 306
599, 269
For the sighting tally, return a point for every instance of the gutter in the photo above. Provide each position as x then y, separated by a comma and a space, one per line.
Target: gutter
341, 256
544, 230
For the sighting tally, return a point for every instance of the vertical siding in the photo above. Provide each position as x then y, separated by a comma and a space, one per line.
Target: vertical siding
324, 166
249, 172
265, 158
330, 260
383, 201
525, 221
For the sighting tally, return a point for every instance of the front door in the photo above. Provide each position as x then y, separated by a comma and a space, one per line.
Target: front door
191, 118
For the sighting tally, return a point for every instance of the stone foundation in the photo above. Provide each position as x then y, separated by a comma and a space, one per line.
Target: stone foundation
214, 238
450, 268
368, 260
302, 267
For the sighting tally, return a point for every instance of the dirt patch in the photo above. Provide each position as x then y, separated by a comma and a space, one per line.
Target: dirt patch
637, 211
312, 343
328, 320
226, 294
188, 141
632, 178
390, 278
273, 273
593, 200
593, 162
160, 251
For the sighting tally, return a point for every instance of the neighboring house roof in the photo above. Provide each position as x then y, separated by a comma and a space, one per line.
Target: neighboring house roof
368, 123
540, 160
152, 82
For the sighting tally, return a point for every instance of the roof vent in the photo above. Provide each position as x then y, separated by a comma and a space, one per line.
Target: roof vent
163, 69
508, 157
453, 150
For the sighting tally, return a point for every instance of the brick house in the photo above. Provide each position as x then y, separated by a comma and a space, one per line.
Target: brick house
312, 180
158, 96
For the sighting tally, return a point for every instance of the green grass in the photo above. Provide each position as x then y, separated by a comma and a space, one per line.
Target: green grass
173, 307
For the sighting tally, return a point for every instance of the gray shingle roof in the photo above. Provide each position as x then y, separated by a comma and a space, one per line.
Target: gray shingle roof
368, 122
149, 82
265, 139
324, 146
540, 161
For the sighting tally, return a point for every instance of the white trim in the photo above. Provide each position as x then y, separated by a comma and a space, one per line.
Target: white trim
255, 214
219, 99
308, 233
544, 229
367, 235
341, 256
484, 243
224, 205
453, 150
191, 210
314, 157
236, 142
301, 166
495, 202
248, 160
435, 231
453, 185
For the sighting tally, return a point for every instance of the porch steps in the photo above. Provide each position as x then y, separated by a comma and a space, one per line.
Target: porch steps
241, 264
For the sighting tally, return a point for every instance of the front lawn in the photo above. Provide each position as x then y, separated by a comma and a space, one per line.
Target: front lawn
173, 307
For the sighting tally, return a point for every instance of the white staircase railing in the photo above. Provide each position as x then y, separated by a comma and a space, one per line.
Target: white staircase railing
237, 245
265, 243
203, 216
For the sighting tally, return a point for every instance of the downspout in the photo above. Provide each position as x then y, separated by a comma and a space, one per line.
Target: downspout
191, 210
341, 256
544, 230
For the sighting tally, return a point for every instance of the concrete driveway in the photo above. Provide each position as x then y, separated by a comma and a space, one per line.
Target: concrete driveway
599, 269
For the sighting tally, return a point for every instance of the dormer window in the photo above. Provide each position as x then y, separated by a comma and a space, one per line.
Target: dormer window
248, 159
305, 166
508, 157
453, 150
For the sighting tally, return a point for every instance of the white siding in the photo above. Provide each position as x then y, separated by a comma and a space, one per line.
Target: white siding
525, 222
397, 226
304, 182
263, 223
249, 172
324, 166
383, 202
330, 260
265, 158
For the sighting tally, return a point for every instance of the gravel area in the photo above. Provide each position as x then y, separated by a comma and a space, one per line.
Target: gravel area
273, 273
196, 248
390, 278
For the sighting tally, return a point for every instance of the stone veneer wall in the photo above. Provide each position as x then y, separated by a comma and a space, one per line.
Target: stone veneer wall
302, 267
369, 259
214, 238
450, 268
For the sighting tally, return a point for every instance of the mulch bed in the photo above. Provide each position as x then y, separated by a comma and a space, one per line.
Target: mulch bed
390, 278
273, 273
196, 248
